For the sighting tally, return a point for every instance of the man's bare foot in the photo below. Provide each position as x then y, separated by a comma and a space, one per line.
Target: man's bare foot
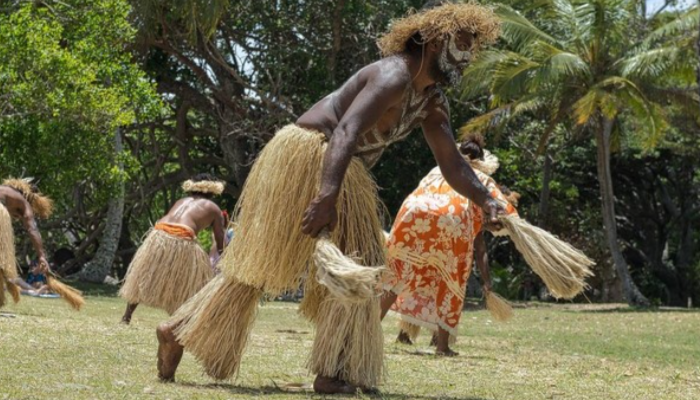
326, 385
448, 352
404, 338
126, 320
169, 353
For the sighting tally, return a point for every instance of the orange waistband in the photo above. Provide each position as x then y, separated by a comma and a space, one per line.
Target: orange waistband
177, 230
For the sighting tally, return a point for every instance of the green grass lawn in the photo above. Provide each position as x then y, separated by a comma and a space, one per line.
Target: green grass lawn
48, 351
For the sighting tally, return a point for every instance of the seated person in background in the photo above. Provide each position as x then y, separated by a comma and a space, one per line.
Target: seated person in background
36, 281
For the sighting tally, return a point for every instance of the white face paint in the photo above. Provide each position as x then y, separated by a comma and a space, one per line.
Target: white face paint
452, 60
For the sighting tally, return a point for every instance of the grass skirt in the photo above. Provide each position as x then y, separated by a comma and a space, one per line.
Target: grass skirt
165, 272
271, 255
8, 263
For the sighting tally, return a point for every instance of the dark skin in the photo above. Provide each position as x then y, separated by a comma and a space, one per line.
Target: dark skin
196, 212
19, 208
373, 97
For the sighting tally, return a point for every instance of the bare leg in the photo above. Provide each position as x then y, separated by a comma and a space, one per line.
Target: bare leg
443, 347
388, 298
404, 338
126, 319
169, 352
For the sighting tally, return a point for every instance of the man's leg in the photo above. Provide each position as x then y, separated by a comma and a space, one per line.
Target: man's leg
169, 352
126, 319
443, 344
388, 298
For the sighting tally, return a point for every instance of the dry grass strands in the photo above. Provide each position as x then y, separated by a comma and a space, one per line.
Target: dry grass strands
562, 267
165, 272
499, 308
8, 263
411, 330
214, 325
213, 187
274, 254
41, 205
349, 343
440, 22
345, 279
73, 296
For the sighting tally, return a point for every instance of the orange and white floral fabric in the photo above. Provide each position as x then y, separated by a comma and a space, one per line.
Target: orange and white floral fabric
439, 225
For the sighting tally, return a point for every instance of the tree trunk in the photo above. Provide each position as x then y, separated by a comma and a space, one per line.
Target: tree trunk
632, 293
543, 211
100, 266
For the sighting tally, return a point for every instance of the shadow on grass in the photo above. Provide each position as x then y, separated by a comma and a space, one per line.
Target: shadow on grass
626, 310
94, 289
304, 394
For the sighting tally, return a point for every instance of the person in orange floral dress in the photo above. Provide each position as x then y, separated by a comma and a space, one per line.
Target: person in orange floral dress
442, 227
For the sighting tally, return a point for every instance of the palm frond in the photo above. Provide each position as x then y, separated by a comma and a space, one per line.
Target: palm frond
651, 63
686, 22
510, 78
477, 79
517, 30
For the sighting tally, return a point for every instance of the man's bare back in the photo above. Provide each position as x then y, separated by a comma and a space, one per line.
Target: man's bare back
14, 201
19, 208
195, 212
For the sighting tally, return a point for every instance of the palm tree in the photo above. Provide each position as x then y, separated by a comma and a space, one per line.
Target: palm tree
586, 69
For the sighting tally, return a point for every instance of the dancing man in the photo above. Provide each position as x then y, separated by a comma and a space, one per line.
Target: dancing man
170, 266
21, 200
441, 226
313, 177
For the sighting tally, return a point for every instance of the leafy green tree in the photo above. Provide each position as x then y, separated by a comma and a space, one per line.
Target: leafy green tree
67, 83
588, 70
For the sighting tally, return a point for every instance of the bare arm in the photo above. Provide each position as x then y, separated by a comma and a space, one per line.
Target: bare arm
219, 230
381, 91
457, 172
30, 225
482, 260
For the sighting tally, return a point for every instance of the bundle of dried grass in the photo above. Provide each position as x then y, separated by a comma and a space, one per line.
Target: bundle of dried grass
411, 330
165, 272
499, 308
349, 343
8, 263
73, 296
345, 279
214, 325
562, 267
282, 183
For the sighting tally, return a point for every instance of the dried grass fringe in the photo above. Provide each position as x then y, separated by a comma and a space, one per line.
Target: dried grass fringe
71, 295
282, 183
165, 272
8, 263
349, 343
214, 325
562, 267
411, 330
499, 308
11, 287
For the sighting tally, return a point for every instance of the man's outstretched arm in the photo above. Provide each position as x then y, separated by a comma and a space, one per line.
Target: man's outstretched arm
30, 225
457, 172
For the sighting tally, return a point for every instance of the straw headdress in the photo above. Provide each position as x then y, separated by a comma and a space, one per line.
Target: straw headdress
439, 23
41, 205
213, 187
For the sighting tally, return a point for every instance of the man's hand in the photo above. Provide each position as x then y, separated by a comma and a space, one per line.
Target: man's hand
492, 210
321, 213
486, 287
43, 265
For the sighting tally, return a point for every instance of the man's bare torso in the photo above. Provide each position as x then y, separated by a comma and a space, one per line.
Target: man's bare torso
395, 124
195, 212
